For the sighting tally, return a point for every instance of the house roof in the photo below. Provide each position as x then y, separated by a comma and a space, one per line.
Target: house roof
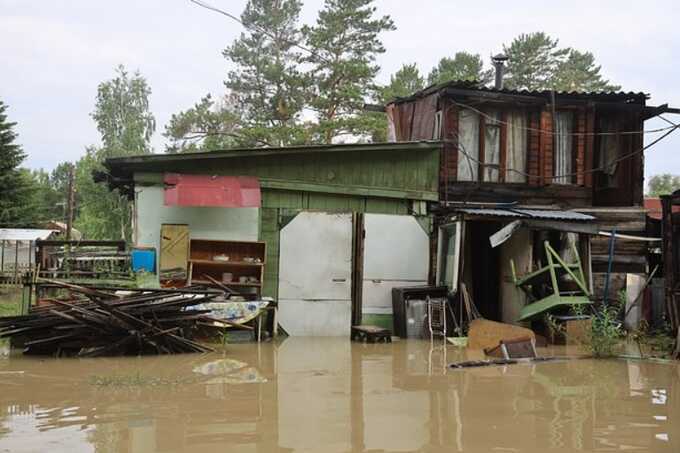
125, 166
654, 209
24, 234
474, 86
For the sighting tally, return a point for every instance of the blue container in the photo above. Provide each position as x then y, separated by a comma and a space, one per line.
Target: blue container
144, 259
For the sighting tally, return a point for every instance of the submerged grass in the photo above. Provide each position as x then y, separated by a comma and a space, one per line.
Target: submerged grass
138, 380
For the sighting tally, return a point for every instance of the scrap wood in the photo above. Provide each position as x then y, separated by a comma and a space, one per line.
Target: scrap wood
153, 322
482, 363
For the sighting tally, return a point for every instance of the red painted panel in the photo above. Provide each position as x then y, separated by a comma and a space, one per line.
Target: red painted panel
218, 191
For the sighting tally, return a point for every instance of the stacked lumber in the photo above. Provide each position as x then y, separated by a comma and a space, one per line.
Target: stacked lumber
99, 322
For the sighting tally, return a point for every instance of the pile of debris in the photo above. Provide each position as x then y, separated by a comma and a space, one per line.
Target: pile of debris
97, 322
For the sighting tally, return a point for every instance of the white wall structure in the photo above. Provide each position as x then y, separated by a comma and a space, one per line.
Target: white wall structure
396, 254
512, 298
315, 273
225, 224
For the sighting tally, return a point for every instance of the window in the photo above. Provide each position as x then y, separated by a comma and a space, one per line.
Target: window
437, 132
449, 255
609, 151
490, 142
563, 165
468, 145
516, 151
492, 147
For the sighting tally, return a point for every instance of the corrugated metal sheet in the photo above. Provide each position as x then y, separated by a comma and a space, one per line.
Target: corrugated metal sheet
24, 234
535, 214
474, 85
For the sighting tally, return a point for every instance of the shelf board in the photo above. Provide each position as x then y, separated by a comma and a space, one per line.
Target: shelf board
226, 263
207, 282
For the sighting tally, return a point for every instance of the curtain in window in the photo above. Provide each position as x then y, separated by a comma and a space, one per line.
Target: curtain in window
468, 145
516, 148
564, 127
492, 147
609, 150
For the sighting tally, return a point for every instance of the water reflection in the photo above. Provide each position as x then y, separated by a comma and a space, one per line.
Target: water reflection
334, 396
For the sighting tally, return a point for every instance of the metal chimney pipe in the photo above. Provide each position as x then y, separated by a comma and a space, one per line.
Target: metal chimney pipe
499, 64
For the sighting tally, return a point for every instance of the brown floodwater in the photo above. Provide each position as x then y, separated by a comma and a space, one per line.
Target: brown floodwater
330, 395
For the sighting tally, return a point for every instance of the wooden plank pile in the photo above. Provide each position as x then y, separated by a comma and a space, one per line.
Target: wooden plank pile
99, 322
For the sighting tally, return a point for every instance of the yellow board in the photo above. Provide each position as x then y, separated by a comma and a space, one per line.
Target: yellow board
174, 248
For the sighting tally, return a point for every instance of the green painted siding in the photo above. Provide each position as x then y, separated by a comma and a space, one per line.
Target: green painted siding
269, 233
287, 199
382, 172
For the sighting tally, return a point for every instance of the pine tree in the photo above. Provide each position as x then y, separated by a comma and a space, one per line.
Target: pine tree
533, 61
266, 82
406, 81
578, 72
463, 66
13, 182
345, 43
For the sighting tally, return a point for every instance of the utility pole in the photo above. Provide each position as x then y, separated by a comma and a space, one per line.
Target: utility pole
70, 202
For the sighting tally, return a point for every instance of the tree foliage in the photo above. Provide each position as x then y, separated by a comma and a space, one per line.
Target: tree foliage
126, 124
267, 83
406, 81
463, 66
346, 41
208, 125
15, 184
663, 184
536, 62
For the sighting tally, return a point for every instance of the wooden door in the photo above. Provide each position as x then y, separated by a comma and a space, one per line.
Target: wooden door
174, 251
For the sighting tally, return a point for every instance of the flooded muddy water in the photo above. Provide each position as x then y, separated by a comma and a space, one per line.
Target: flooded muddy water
330, 395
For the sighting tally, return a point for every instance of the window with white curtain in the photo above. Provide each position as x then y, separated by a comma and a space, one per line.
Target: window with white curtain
468, 145
609, 151
563, 153
516, 147
492, 146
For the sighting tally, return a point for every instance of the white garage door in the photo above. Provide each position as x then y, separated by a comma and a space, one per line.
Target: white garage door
315, 269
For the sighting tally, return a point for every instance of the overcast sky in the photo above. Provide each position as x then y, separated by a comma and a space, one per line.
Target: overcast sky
54, 53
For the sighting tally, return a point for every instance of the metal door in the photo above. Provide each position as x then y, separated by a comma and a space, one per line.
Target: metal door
315, 267
396, 254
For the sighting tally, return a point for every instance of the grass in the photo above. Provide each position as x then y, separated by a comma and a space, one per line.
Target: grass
10, 302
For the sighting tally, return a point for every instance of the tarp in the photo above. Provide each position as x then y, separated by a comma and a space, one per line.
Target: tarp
215, 191
24, 234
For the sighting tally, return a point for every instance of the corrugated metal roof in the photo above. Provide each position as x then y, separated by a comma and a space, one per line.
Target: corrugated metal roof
555, 215
477, 86
536, 214
23, 234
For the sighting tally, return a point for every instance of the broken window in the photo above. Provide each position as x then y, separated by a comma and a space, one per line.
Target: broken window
468, 145
563, 166
516, 153
492, 146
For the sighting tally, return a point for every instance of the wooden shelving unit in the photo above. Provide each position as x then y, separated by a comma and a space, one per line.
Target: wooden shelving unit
245, 263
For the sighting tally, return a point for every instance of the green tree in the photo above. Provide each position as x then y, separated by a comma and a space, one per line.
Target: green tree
122, 115
578, 72
206, 126
533, 60
268, 87
15, 184
345, 43
536, 62
463, 66
406, 81
126, 126
663, 184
